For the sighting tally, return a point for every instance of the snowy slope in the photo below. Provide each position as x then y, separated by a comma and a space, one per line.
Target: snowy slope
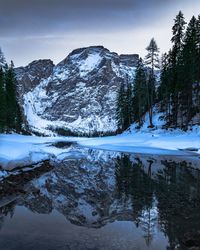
156, 141
80, 93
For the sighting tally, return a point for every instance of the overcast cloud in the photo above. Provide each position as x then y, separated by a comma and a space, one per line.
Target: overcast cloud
33, 29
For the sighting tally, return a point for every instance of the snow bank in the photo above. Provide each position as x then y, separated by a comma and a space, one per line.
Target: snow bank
153, 142
19, 150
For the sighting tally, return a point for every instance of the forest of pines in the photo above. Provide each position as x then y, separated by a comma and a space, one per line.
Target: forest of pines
10, 116
177, 92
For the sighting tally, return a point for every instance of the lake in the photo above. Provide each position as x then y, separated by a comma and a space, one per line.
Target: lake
97, 200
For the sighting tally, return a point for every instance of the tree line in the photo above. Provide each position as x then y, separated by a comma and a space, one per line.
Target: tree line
10, 115
177, 91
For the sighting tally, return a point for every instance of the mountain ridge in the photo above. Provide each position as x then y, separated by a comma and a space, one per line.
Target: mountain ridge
77, 94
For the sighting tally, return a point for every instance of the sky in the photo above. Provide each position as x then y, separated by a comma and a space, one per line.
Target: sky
51, 29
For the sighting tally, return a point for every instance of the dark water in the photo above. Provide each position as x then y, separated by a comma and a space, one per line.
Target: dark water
103, 200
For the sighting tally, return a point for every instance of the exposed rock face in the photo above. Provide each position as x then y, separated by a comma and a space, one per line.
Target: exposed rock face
30, 76
79, 93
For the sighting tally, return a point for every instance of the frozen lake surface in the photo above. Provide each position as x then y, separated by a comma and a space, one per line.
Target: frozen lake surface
97, 199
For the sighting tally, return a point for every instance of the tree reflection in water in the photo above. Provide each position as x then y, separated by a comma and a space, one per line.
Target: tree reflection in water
157, 193
133, 183
170, 199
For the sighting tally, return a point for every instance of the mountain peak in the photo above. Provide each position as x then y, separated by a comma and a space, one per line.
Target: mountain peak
79, 93
97, 53
87, 49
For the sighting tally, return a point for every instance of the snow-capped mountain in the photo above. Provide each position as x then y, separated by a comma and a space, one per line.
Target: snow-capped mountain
78, 94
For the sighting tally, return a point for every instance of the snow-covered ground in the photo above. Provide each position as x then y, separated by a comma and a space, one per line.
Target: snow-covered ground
152, 142
18, 150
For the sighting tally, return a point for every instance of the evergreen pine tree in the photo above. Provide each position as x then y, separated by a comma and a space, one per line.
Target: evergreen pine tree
129, 105
178, 35
152, 61
197, 87
198, 45
190, 68
120, 107
177, 41
13, 112
152, 57
2, 102
166, 87
162, 89
139, 93
124, 112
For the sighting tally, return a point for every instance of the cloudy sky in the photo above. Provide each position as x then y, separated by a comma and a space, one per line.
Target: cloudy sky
33, 29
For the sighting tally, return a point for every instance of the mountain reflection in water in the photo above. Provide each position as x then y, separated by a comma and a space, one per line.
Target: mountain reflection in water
103, 200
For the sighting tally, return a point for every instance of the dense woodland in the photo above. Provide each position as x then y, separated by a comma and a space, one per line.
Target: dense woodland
177, 90
10, 117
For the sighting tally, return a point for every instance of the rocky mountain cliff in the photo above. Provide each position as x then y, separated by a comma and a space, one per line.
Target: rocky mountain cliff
78, 94
30, 76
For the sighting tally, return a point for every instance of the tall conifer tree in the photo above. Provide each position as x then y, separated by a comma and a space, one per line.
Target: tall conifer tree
152, 61
190, 72
120, 107
13, 112
2, 102
177, 41
140, 93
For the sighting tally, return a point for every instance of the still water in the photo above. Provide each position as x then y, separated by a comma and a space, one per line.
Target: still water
98, 200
